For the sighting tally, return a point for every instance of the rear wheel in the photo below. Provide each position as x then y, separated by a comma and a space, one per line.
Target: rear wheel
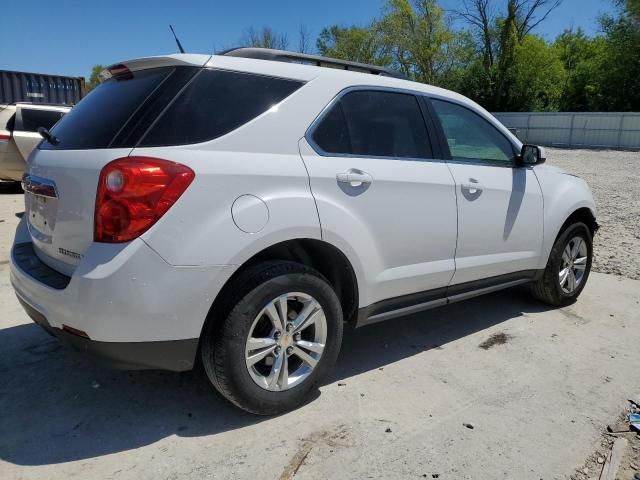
279, 340
568, 267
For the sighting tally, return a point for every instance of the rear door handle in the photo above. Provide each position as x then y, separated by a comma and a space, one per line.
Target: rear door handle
354, 178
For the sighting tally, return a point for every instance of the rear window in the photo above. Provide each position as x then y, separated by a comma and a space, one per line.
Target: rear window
374, 123
32, 119
215, 103
97, 118
168, 106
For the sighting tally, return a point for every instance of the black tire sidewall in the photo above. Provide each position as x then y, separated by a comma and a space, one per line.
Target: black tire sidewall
229, 348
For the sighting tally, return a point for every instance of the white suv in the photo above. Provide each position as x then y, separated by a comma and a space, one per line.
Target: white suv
240, 208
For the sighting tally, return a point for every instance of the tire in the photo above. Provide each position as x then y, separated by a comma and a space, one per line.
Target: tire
226, 352
548, 288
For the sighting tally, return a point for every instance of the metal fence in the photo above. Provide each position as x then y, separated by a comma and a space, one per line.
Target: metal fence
576, 130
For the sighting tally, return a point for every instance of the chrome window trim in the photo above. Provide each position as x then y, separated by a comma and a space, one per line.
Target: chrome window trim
308, 136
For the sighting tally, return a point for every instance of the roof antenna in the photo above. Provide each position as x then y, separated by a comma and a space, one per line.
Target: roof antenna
177, 41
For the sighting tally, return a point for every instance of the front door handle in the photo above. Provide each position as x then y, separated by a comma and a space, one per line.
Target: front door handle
473, 187
354, 178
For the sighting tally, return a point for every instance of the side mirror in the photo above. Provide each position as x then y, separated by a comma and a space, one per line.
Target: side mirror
532, 155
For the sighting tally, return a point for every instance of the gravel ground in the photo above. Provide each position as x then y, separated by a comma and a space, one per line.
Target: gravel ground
614, 178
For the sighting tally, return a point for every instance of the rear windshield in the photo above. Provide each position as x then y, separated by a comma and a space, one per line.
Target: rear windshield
168, 106
98, 117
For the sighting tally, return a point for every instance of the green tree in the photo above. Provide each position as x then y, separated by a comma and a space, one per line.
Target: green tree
582, 57
266, 37
94, 78
506, 59
497, 31
632, 8
357, 44
422, 45
538, 77
619, 85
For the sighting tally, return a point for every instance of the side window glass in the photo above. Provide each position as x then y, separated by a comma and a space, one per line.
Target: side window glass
32, 119
471, 137
374, 123
216, 103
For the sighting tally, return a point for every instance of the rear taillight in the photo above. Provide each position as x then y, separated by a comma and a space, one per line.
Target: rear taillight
4, 137
133, 193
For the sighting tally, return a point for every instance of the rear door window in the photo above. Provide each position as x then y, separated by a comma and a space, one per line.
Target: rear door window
32, 119
95, 121
374, 124
215, 103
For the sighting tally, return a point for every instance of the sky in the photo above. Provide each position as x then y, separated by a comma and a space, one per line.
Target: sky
68, 37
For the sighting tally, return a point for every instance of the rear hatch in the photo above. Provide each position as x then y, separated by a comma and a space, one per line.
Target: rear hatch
61, 186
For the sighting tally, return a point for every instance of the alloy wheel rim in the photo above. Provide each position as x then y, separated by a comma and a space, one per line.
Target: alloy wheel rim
574, 264
286, 341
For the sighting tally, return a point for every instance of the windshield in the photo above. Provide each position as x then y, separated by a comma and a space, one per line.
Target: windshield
97, 118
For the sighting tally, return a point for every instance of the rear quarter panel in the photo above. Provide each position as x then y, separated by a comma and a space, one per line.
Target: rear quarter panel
261, 158
199, 230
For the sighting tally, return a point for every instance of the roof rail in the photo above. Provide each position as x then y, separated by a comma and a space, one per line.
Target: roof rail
306, 59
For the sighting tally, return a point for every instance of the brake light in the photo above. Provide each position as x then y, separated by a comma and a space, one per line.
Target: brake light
120, 71
4, 137
134, 193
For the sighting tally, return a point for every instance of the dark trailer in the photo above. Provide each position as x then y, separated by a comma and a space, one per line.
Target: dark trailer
40, 88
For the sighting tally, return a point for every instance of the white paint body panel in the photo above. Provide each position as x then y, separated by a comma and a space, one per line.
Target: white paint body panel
402, 228
125, 293
400, 235
563, 194
500, 228
75, 173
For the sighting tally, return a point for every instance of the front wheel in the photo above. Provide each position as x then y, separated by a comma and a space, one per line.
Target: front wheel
278, 342
568, 267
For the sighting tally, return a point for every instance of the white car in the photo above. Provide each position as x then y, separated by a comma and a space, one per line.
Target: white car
238, 209
19, 123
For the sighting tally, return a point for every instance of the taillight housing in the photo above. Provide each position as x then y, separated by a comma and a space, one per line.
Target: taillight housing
134, 193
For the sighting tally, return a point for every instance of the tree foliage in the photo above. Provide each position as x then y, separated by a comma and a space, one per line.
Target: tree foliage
265, 37
358, 44
492, 54
94, 78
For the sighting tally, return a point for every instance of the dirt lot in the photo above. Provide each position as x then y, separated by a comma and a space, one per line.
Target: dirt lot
537, 385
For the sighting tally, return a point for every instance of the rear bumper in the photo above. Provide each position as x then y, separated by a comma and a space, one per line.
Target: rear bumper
176, 355
136, 310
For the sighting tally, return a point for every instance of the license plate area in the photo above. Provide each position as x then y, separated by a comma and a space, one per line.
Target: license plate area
41, 207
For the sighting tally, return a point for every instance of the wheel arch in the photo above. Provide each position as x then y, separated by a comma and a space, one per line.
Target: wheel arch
581, 212
322, 256
584, 215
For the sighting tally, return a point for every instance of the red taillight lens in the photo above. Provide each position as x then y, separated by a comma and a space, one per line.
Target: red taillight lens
4, 137
133, 193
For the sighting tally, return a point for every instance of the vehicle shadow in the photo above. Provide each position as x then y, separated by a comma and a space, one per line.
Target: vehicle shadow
59, 407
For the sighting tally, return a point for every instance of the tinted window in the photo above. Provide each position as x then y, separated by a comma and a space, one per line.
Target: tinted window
374, 123
34, 119
471, 137
98, 117
215, 103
